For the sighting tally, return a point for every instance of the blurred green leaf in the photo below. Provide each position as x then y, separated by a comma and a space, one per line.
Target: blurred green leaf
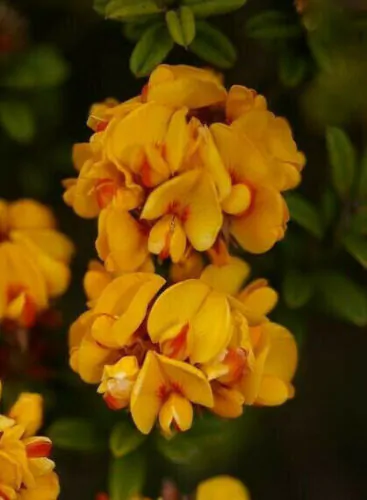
206, 8
292, 69
127, 476
356, 245
329, 206
100, 6
362, 182
44, 66
123, 10
297, 289
213, 46
76, 434
272, 25
125, 438
181, 25
342, 158
358, 223
305, 214
17, 119
152, 48
340, 296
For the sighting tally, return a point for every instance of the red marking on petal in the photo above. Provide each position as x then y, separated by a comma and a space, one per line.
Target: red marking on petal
39, 449
144, 93
101, 126
145, 172
177, 346
163, 393
113, 403
237, 364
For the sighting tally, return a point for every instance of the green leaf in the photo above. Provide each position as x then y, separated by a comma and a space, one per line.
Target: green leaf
17, 120
100, 6
362, 182
272, 25
127, 476
213, 46
297, 289
206, 8
181, 25
152, 48
76, 434
342, 158
356, 245
329, 207
358, 223
42, 67
292, 69
342, 297
305, 214
124, 10
125, 438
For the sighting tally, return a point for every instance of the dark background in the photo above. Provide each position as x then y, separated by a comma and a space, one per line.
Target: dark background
314, 447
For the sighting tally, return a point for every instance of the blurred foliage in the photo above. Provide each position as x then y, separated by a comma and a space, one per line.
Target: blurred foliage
156, 25
319, 268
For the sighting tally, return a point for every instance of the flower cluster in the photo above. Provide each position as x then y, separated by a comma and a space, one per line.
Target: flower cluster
26, 472
186, 161
34, 261
179, 173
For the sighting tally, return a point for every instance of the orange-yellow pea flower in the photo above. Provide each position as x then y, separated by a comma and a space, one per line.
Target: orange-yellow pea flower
118, 381
122, 241
95, 281
179, 86
122, 307
222, 488
191, 320
190, 267
185, 208
166, 389
34, 260
26, 472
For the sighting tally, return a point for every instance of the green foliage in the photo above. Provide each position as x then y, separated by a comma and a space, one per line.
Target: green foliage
17, 119
181, 25
127, 476
125, 438
125, 10
272, 25
213, 46
297, 289
340, 296
329, 206
152, 48
362, 182
305, 214
292, 69
206, 8
41, 67
76, 434
358, 222
356, 245
342, 157
143, 23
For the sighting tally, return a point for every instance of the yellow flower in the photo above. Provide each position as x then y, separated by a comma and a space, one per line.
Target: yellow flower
190, 320
118, 381
34, 260
222, 488
122, 241
186, 209
166, 389
26, 473
95, 281
255, 208
28, 412
185, 86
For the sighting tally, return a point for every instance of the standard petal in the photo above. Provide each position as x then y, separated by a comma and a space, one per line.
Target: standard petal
228, 278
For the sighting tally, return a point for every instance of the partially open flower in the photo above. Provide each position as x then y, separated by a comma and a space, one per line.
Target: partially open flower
26, 472
34, 260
